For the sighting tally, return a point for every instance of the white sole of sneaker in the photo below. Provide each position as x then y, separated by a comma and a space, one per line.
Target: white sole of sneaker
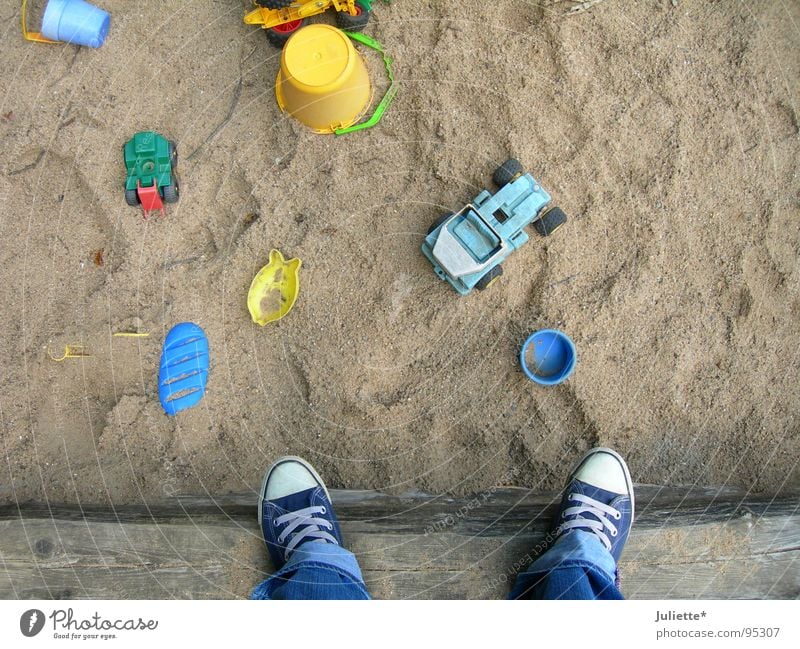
287, 458
613, 453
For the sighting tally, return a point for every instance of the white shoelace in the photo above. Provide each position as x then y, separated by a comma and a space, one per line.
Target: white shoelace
311, 527
596, 508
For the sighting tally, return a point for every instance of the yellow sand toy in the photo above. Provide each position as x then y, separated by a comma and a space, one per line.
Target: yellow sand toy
273, 291
323, 80
282, 18
36, 37
70, 351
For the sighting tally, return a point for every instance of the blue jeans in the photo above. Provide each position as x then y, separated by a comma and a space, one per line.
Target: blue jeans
576, 567
315, 571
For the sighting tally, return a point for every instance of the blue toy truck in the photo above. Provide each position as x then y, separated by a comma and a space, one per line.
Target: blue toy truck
467, 248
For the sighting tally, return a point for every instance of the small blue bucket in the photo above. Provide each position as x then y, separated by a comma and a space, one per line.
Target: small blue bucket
76, 22
548, 357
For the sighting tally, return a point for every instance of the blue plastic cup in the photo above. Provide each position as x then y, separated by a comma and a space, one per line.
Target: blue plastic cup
548, 357
76, 22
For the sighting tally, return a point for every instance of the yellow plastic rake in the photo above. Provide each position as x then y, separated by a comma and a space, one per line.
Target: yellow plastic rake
70, 351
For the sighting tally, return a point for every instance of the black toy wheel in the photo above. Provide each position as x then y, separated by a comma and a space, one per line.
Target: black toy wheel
274, 4
353, 23
278, 36
132, 197
173, 154
172, 192
550, 221
439, 221
488, 279
508, 171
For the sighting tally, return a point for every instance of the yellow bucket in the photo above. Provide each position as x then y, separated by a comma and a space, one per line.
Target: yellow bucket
323, 81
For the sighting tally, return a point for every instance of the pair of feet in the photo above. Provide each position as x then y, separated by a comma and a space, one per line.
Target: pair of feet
295, 507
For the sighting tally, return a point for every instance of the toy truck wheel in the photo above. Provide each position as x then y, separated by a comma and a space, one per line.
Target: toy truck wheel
439, 221
489, 278
132, 197
171, 192
353, 23
550, 221
274, 4
510, 170
173, 154
278, 36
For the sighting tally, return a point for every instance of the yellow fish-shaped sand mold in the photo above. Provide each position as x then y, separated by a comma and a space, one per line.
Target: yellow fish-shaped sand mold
273, 291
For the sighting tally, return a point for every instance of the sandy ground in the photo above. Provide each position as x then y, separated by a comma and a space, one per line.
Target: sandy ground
667, 131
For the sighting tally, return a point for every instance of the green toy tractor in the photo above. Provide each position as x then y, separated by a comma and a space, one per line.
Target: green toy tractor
151, 161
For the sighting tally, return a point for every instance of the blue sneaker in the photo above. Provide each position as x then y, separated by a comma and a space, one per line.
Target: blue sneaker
598, 499
294, 509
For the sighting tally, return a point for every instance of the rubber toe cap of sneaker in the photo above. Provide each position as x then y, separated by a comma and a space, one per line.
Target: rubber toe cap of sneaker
288, 478
604, 471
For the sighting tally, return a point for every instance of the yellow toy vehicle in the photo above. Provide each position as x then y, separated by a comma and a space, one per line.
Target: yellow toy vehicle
282, 18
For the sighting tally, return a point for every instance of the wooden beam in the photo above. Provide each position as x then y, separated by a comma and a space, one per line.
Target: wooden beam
686, 543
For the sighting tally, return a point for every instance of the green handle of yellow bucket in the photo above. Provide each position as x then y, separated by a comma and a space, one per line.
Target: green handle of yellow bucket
391, 91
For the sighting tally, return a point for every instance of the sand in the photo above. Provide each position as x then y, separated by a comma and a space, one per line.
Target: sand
667, 131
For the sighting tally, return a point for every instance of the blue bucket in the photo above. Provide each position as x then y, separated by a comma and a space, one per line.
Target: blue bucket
548, 357
76, 22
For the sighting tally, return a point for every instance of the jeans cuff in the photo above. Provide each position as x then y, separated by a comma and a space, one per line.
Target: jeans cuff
332, 556
576, 548
323, 556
